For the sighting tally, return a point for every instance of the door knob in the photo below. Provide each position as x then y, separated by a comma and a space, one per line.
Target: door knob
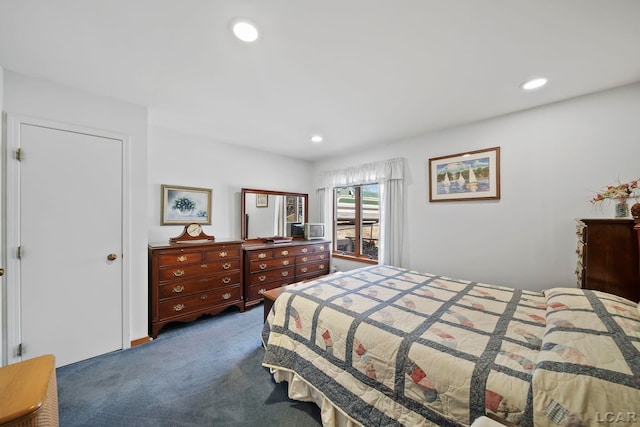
112, 257
1, 271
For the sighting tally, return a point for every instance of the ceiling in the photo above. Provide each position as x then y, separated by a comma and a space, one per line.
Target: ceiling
360, 72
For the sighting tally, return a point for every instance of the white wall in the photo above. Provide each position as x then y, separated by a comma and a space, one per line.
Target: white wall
50, 101
177, 158
553, 160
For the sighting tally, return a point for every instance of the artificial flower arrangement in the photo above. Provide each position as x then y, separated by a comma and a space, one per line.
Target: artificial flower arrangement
619, 192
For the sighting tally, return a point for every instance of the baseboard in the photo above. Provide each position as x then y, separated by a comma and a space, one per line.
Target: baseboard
140, 341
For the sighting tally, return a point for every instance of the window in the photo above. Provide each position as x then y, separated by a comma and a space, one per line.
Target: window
357, 221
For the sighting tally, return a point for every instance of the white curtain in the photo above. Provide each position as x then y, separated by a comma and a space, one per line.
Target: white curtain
389, 174
278, 218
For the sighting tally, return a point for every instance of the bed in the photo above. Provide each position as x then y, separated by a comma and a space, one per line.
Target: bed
384, 346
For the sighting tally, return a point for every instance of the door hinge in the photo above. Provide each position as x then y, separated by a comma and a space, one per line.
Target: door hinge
19, 350
19, 253
19, 154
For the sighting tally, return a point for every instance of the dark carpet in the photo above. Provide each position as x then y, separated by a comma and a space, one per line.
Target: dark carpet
204, 373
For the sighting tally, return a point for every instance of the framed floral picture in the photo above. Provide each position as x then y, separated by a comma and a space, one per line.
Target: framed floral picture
474, 175
185, 205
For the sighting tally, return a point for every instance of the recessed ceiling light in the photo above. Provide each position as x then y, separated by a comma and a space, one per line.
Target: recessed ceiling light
245, 30
316, 139
534, 83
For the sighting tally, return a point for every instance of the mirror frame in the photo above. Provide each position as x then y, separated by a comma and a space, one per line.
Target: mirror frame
243, 211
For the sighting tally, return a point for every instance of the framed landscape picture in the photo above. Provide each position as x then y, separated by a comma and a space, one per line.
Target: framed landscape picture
185, 205
474, 175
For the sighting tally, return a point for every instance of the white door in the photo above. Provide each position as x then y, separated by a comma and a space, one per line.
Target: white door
70, 225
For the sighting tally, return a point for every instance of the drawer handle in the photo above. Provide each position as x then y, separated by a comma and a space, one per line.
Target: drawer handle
261, 291
204, 280
204, 266
321, 266
322, 248
177, 289
304, 269
285, 262
203, 297
182, 258
262, 255
305, 250
178, 307
262, 266
226, 266
284, 273
178, 273
285, 252
322, 256
226, 296
304, 259
222, 254
226, 280
262, 278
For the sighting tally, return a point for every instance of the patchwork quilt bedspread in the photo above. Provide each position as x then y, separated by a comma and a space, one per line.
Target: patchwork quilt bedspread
390, 346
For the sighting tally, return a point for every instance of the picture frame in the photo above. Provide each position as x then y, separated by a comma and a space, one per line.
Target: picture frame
474, 175
185, 205
262, 200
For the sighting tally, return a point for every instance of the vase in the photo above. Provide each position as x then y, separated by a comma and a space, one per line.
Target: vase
622, 208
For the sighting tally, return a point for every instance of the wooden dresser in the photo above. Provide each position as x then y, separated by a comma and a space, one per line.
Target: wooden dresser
608, 257
268, 266
187, 280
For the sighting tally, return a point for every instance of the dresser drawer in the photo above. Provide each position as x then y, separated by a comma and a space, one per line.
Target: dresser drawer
192, 303
178, 257
316, 247
284, 252
195, 270
255, 292
224, 265
321, 247
180, 288
272, 276
307, 249
302, 259
270, 264
312, 268
222, 254
260, 255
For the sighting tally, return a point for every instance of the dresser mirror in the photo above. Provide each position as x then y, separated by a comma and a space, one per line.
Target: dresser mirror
266, 213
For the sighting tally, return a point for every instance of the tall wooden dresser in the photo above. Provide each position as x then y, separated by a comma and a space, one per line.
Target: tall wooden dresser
608, 257
268, 266
187, 280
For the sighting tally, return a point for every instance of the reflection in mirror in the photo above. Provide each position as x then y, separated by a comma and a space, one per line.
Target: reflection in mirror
267, 213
